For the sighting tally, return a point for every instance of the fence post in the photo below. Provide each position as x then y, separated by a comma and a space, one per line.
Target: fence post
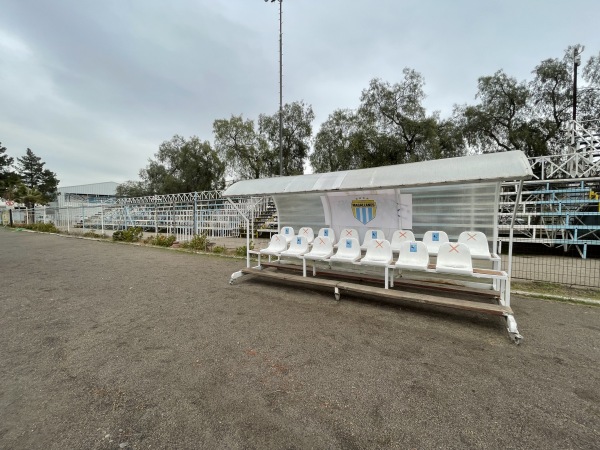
155, 219
102, 216
68, 221
195, 231
44, 213
83, 217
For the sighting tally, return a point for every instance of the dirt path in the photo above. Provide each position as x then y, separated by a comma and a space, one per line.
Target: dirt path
103, 345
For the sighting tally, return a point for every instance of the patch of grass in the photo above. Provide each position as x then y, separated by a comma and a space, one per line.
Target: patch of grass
93, 234
556, 290
133, 234
43, 227
199, 242
242, 251
161, 240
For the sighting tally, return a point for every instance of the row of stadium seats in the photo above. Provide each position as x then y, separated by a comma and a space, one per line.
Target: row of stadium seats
454, 258
475, 240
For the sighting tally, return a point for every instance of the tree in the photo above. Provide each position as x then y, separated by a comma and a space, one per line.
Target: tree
180, 166
42, 183
245, 153
395, 126
297, 133
531, 116
338, 144
498, 122
7, 177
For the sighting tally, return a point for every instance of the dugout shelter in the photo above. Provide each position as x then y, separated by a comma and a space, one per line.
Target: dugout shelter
440, 200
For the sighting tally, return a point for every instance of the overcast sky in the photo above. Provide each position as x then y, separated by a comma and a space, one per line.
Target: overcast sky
94, 86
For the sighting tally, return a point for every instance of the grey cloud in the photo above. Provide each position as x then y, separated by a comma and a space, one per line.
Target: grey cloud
105, 82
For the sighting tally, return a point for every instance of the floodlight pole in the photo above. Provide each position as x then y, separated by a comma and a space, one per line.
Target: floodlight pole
280, 85
280, 89
576, 62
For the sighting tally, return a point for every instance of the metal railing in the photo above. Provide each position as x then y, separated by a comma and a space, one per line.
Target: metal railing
182, 215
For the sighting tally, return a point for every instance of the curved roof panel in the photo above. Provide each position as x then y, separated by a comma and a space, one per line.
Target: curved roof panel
506, 166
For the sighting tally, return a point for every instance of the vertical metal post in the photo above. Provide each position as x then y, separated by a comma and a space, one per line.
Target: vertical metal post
83, 216
155, 220
68, 221
576, 62
102, 216
195, 231
280, 88
44, 213
510, 242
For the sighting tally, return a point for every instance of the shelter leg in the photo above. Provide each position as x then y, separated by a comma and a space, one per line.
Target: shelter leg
387, 277
235, 276
513, 332
314, 269
304, 267
392, 279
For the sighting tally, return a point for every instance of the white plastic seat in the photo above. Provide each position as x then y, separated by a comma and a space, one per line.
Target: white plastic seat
328, 233
454, 258
277, 245
379, 253
348, 251
433, 240
322, 250
288, 233
347, 233
298, 247
370, 235
399, 237
413, 256
477, 243
308, 233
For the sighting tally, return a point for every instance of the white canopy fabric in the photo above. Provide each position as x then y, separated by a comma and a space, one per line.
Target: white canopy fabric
492, 167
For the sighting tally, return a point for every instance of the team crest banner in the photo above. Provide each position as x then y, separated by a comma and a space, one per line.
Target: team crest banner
387, 210
364, 210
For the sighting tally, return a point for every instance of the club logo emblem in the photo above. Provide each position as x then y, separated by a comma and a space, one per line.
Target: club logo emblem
364, 210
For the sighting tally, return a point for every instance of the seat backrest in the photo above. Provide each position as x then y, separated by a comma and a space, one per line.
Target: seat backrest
322, 246
348, 233
477, 243
348, 248
433, 240
413, 254
288, 232
372, 234
308, 233
298, 245
454, 258
327, 232
278, 243
399, 237
378, 250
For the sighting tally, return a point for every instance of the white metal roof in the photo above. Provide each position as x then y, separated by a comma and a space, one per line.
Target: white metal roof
506, 166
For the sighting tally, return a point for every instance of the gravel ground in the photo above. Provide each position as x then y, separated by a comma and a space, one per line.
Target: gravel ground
106, 345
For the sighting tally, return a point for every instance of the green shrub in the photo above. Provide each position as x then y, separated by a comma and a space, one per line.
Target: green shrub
133, 234
43, 227
241, 251
218, 249
93, 234
161, 240
199, 242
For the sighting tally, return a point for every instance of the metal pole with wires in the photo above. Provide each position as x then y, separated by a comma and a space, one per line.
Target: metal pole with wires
280, 84
576, 63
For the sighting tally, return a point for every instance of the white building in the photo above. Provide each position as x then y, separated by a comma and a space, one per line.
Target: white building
86, 193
